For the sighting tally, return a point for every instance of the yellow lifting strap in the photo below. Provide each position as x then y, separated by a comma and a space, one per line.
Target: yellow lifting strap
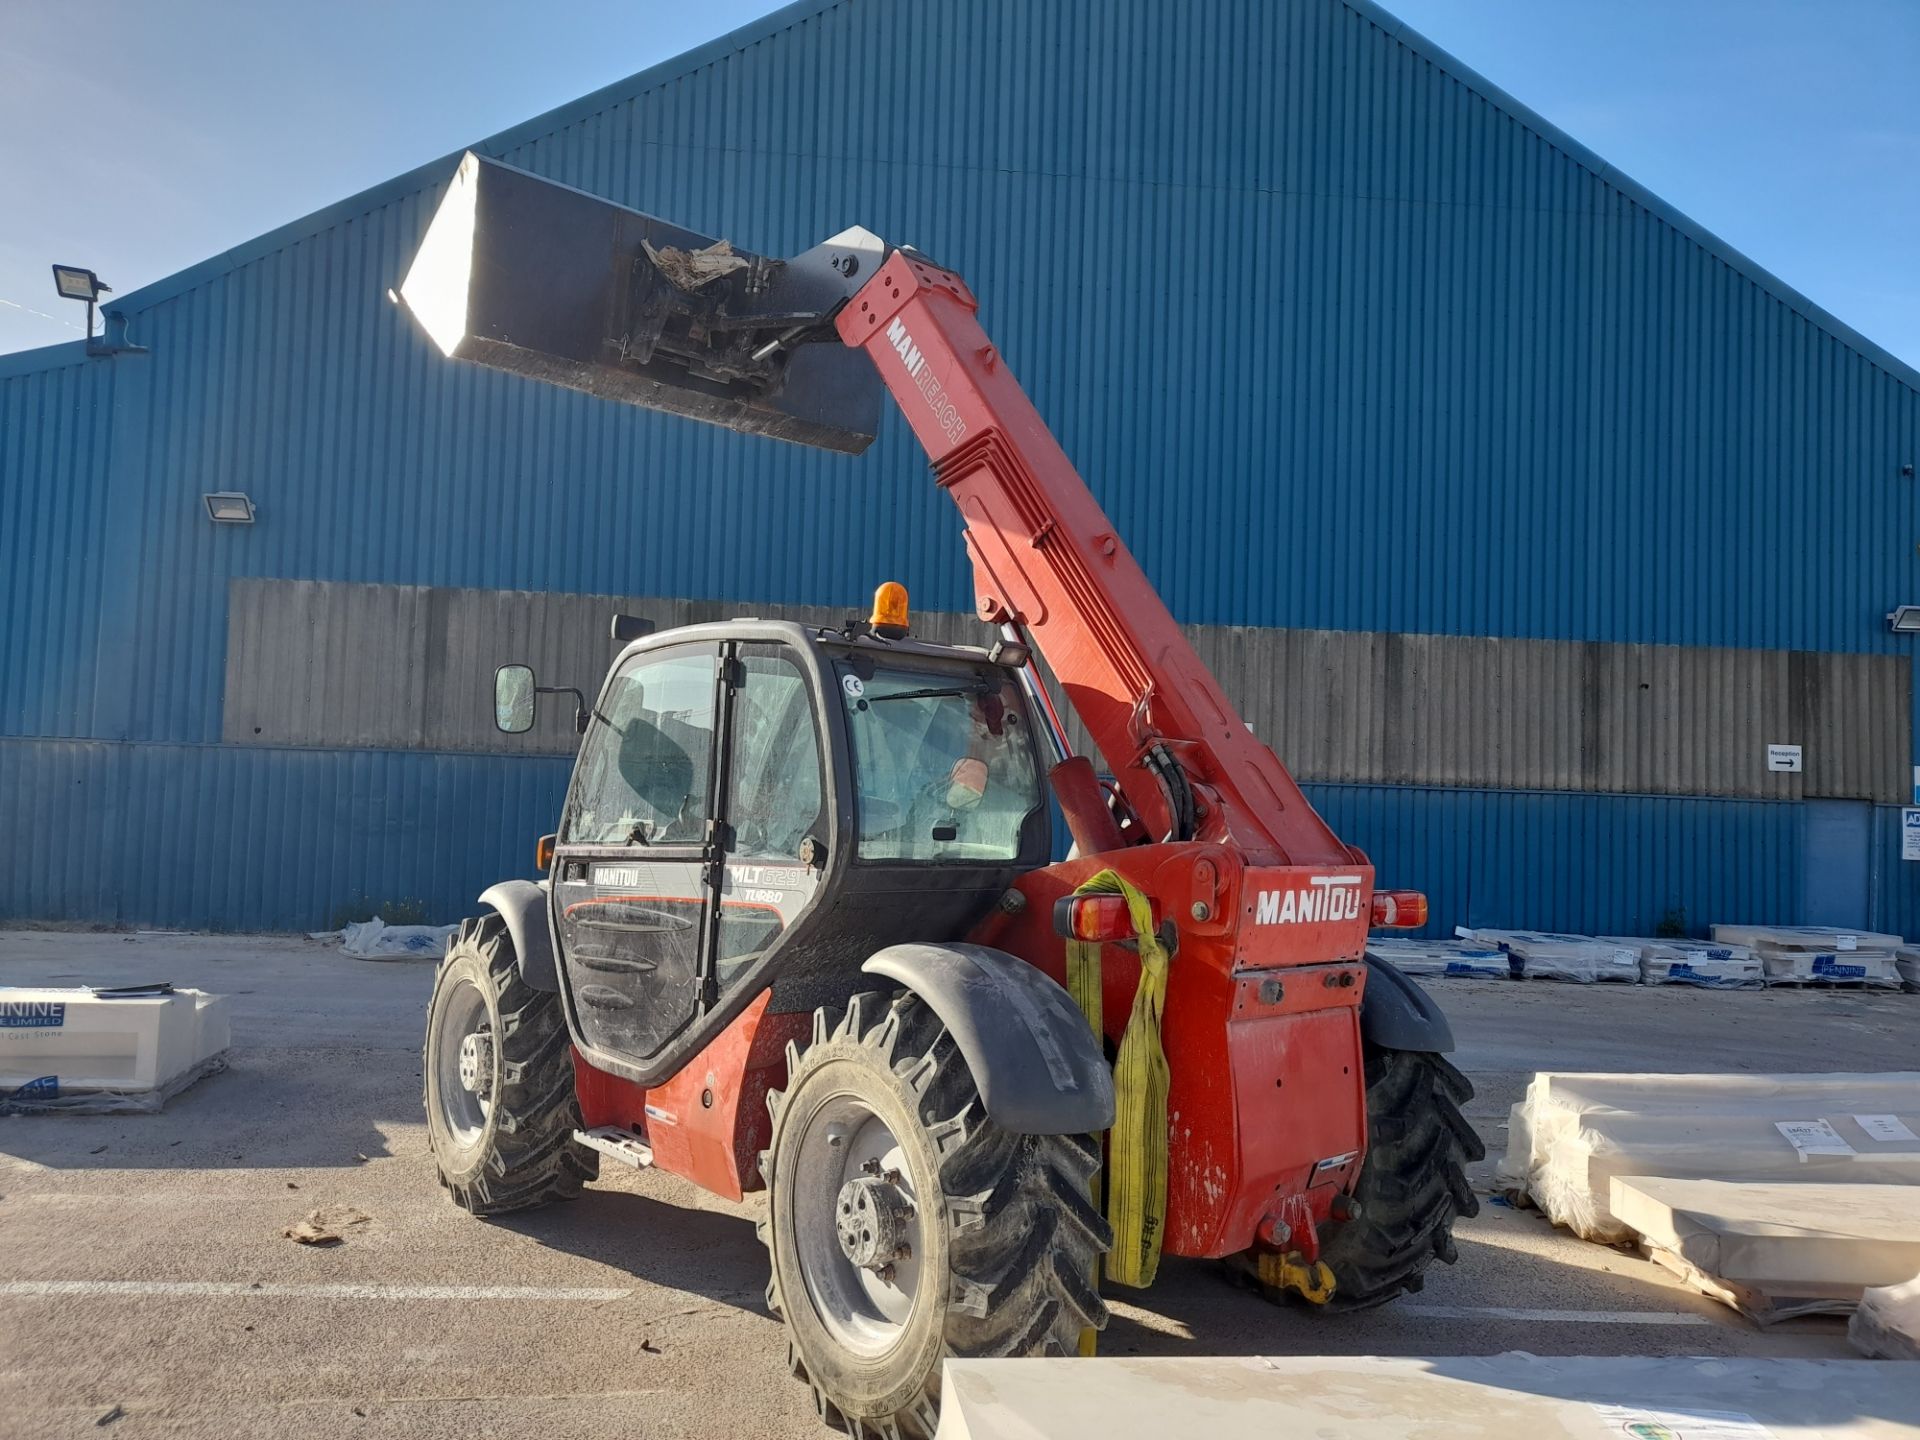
1136, 1188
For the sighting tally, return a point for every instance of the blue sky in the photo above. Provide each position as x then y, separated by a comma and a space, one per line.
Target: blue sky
140, 136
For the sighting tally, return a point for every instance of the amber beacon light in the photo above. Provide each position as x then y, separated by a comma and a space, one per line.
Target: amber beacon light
889, 620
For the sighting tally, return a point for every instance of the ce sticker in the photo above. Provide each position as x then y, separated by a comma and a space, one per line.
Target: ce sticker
853, 685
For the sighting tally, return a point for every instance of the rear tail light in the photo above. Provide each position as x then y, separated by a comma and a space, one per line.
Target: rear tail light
1096, 917
1399, 909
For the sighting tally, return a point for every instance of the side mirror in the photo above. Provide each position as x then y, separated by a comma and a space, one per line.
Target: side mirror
513, 692
628, 628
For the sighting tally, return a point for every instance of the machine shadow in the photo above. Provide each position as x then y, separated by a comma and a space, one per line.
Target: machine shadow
1197, 1307
701, 1252
1201, 1307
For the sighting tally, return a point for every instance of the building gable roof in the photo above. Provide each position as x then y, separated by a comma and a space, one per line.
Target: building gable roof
788, 16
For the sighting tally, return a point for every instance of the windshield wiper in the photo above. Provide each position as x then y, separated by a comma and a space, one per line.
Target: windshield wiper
930, 692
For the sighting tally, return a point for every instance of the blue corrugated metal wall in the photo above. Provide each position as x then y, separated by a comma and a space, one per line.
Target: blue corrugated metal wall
226, 837
230, 837
1339, 341
54, 427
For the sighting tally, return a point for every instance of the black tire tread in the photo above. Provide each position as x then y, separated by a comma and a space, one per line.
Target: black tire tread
1025, 1243
534, 1158
1412, 1186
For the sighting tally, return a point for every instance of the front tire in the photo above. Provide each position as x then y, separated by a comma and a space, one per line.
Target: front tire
904, 1226
498, 1068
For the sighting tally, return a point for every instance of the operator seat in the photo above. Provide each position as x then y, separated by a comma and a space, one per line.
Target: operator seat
660, 774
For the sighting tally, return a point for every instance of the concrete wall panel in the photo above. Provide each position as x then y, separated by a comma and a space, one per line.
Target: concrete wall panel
336, 665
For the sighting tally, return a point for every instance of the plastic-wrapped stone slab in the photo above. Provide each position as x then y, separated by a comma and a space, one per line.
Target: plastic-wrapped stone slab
1527, 1397
1868, 969
1805, 937
1575, 1132
86, 1049
1572, 1186
1454, 958
1579, 959
1705, 964
1773, 1251
1513, 1171
1643, 1093
1887, 1324
1907, 961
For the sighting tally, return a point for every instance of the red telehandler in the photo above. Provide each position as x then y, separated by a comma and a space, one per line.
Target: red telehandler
802, 928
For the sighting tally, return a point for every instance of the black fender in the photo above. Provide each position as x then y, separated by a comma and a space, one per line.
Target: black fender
1040, 1069
523, 905
1396, 1014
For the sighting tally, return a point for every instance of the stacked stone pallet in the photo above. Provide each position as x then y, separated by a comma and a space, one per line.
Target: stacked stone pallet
1819, 955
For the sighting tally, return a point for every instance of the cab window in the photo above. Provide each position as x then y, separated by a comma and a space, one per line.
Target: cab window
642, 778
943, 765
774, 783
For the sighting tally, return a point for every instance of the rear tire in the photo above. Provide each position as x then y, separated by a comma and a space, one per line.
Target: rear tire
498, 1070
1413, 1182
998, 1245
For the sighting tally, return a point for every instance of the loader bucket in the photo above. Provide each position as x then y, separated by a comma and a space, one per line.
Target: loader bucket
533, 277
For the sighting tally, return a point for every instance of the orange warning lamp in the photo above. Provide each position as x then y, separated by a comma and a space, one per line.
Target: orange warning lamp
889, 620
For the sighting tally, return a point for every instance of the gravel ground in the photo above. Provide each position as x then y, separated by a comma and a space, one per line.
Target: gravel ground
637, 1311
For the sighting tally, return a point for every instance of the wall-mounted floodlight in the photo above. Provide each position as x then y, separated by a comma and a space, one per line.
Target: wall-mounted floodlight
1904, 619
74, 282
229, 507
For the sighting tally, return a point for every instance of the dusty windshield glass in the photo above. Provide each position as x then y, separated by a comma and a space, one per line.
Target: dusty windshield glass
943, 764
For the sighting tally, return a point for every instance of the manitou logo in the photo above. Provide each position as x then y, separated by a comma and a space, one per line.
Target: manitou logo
910, 355
944, 412
1328, 897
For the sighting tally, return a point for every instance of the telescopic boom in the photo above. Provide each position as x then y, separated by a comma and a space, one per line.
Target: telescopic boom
530, 276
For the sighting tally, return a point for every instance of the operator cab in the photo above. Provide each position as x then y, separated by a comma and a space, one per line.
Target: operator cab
759, 805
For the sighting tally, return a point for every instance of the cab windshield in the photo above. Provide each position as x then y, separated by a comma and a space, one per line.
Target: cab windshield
943, 765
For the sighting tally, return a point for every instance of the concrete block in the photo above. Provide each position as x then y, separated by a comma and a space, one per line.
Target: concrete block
1579, 1131
1773, 1251
58, 1047
1805, 937
1887, 1324
1584, 1091
1469, 1398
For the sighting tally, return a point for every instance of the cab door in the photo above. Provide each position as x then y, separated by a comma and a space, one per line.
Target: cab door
635, 861
775, 803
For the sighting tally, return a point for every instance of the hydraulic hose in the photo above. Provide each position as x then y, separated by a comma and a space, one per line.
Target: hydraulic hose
1179, 792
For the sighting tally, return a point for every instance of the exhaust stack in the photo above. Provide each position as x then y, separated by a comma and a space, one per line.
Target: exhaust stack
530, 276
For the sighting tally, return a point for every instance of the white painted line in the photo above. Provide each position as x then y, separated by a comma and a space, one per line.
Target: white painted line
1549, 1317
96, 1289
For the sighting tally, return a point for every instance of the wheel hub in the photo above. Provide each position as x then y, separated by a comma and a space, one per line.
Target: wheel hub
476, 1064
852, 1213
873, 1217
